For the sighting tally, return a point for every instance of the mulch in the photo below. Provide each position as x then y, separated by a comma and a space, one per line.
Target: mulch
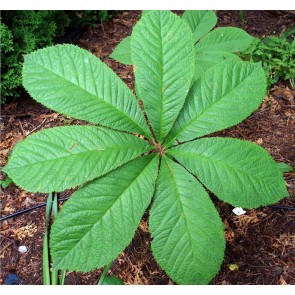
260, 244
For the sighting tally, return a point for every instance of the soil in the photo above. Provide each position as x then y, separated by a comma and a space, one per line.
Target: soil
260, 244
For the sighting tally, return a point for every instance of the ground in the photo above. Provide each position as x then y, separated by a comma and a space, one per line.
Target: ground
260, 245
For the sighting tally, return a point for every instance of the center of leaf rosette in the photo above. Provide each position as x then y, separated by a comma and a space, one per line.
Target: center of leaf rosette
159, 149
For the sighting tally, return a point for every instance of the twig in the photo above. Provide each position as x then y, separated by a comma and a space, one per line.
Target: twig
36, 127
20, 115
102, 27
2, 250
22, 129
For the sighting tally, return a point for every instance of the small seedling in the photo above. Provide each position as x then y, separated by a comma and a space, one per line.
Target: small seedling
6, 182
128, 163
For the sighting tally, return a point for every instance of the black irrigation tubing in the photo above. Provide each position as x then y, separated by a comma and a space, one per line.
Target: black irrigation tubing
27, 210
64, 199
282, 208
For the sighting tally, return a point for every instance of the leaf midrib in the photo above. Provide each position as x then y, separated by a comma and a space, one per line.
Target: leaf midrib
225, 164
95, 95
162, 80
181, 206
73, 155
106, 212
208, 108
227, 42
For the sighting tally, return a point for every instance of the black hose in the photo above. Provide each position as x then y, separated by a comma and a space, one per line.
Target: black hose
282, 208
64, 199
27, 210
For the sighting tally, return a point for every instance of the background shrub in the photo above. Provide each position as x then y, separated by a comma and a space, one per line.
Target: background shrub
25, 31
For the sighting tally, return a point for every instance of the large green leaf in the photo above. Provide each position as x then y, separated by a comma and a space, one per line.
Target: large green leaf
201, 22
225, 95
74, 82
208, 59
163, 57
238, 172
59, 158
225, 39
188, 240
122, 52
100, 219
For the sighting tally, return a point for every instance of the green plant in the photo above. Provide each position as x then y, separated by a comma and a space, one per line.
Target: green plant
53, 277
109, 280
23, 32
50, 277
276, 54
241, 15
212, 47
131, 163
27, 30
89, 18
5, 182
285, 167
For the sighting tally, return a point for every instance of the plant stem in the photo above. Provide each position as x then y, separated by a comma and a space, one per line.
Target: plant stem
46, 261
54, 274
104, 273
292, 83
55, 205
241, 16
62, 277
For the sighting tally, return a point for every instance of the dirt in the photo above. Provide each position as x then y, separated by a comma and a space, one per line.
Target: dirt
260, 245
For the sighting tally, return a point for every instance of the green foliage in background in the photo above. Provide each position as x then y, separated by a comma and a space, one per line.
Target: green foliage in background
25, 31
277, 55
89, 18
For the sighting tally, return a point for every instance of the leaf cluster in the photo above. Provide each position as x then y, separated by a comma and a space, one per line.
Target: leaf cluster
277, 55
154, 153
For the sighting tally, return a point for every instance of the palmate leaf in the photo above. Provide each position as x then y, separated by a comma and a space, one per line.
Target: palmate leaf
162, 78
188, 239
74, 82
238, 172
100, 219
201, 22
225, 39
122, 52
63, 157
225, 95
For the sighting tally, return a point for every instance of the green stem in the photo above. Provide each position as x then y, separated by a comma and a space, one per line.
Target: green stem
55, 205
104, 273
54, 274
46, 260
62, 277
